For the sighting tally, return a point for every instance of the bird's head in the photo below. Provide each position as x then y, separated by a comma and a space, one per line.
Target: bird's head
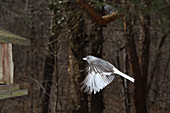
89, 58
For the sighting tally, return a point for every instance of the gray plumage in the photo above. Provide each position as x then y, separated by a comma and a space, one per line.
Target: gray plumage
109, 8
100, 74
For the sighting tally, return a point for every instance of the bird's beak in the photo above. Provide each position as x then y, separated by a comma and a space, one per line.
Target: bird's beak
85, 58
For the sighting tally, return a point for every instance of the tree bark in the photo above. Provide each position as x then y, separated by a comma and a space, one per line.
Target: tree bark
156, 62
97, 104
128, 103
139, 65
76, 52
47, 80
135, 69
144, 47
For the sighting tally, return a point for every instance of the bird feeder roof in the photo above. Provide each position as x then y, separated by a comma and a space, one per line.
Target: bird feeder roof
8, 37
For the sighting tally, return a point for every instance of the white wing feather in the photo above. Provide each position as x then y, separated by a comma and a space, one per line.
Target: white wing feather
94, 82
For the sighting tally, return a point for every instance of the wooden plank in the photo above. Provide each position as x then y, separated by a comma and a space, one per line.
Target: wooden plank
12, 87
8, 37
6, 63
11, 94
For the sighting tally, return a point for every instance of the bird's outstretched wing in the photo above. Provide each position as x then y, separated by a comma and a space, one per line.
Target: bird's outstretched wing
100, 74
99, 67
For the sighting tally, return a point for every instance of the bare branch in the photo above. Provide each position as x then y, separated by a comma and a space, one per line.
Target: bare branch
156, 59
101, 20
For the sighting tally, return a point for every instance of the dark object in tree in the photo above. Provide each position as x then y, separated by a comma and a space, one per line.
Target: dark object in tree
100, 20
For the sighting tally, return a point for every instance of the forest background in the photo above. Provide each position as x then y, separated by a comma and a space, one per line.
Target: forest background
131, 34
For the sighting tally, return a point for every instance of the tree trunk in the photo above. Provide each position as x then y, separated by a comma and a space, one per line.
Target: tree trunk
97, 104
135, 69
144, 45
76, 52
139, 65
47, 80
128, 103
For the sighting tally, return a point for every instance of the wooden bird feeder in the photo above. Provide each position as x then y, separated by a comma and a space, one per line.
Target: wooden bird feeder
7, 88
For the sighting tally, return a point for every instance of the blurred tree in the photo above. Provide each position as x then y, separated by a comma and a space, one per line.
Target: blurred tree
76, 51
96, 38
50, 68
47, 80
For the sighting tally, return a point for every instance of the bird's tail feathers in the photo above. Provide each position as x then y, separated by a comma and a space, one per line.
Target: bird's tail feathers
116, 71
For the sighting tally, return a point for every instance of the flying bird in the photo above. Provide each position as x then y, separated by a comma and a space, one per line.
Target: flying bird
100, 74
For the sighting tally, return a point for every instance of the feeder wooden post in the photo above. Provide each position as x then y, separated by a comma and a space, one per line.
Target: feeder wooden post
6, 63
